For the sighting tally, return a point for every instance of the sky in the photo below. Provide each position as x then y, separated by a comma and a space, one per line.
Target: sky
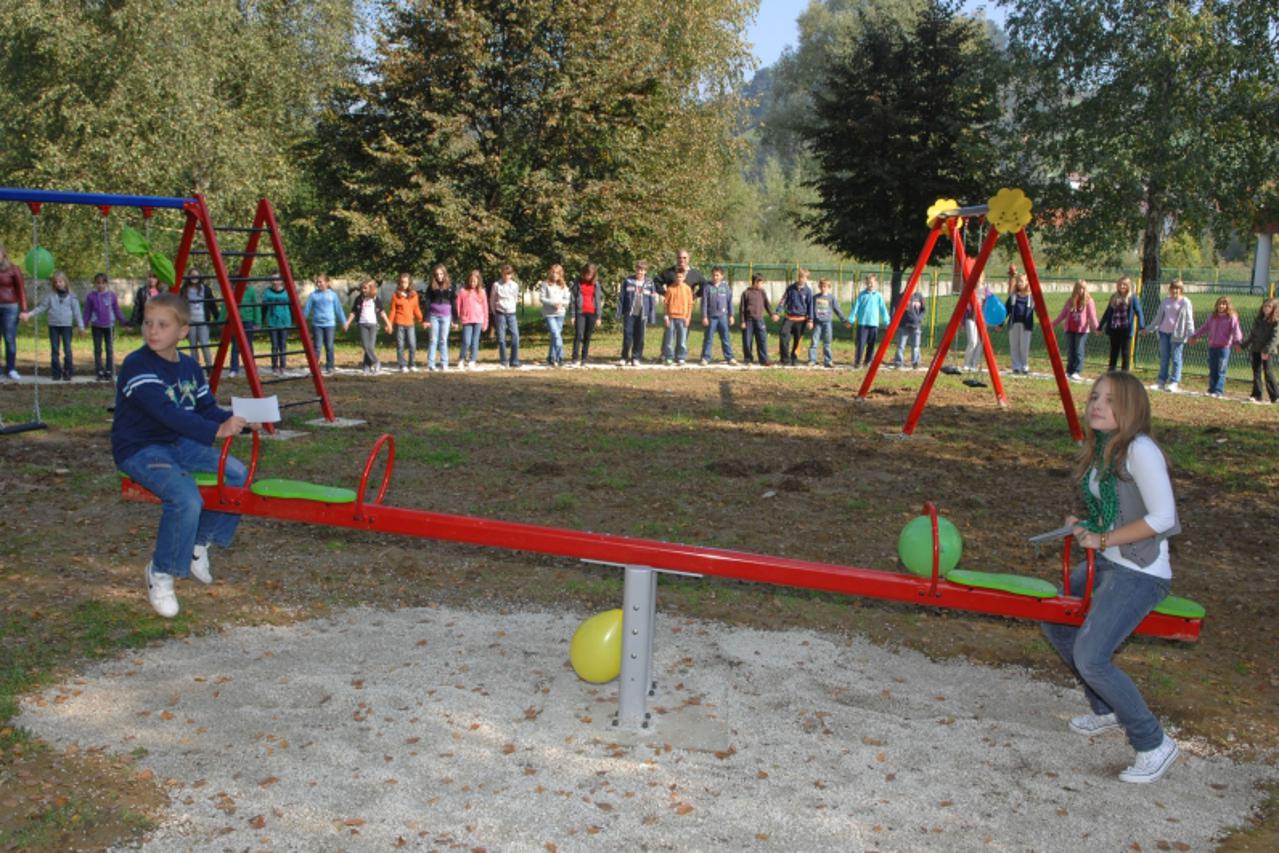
774, 28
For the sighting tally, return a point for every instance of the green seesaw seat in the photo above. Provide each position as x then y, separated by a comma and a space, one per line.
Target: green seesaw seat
1173, 605
287, 489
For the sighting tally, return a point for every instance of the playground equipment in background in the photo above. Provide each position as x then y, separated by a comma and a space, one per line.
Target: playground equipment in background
642, 560
1009, 213
199, 219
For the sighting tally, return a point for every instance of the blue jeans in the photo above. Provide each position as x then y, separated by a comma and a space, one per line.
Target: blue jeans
322, 338
1121, 599
439, 341
508, 323
1218, 360
675, 341
235, 348
405, 336
914, 335
633, 337
755, 333
470, 341
1075, 344
60, 335
824, 331
9, 326
867, 336
165, 471
279, 346
555, 325
718, 325
1169, 356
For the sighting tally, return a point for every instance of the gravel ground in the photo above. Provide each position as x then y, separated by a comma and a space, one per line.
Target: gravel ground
450, 729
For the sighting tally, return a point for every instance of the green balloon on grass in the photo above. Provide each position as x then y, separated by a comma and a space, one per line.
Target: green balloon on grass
915, 546
38, 263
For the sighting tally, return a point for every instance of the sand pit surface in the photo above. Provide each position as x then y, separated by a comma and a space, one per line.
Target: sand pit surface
438, 728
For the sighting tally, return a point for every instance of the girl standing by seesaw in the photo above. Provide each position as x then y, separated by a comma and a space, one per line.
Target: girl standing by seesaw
1173, 322
1126, 487
1222, 329
473, 314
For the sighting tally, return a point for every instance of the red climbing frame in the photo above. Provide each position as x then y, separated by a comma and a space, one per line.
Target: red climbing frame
374, 515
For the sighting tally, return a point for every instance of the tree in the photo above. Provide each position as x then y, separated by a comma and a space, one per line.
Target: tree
1145, 119
533, 132
902, 118
153, 97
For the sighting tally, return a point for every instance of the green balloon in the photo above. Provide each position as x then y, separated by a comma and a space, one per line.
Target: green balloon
915, 546
38, 263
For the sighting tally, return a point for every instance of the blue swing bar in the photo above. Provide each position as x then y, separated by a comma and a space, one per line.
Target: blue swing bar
27, 196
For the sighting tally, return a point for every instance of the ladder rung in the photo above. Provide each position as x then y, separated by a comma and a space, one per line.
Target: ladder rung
285, 379
261, 355
239, 229
301, 403
212, 277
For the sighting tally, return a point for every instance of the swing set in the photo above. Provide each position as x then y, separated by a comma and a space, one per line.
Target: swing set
231, 287
1008, 213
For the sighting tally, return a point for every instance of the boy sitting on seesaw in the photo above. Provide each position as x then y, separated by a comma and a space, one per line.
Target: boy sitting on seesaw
165, 424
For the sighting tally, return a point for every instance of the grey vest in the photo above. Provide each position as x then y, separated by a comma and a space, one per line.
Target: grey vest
1143, 552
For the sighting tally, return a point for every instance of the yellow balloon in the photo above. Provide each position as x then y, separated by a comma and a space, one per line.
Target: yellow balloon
596, 649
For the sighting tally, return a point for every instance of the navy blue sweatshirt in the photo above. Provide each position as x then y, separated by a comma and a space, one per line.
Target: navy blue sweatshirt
158, 401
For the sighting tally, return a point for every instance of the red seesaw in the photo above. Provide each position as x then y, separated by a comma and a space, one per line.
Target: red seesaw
290, 500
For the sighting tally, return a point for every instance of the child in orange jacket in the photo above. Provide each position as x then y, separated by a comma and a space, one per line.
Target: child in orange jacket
405, 317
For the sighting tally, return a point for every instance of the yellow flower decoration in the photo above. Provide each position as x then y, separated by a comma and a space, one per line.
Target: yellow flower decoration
1009, 211
939, 207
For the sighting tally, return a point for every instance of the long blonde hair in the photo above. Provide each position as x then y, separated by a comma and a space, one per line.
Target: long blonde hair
1079, 294
1131, 405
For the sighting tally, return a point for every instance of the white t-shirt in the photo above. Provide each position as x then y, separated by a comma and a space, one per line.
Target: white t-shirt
195, 301
368, 313
1146, 466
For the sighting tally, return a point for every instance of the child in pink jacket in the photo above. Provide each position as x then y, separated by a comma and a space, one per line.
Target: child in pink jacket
1222, 329
473, 314
1080, 316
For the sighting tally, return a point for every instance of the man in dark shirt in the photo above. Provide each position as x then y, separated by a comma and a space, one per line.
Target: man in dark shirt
692, 277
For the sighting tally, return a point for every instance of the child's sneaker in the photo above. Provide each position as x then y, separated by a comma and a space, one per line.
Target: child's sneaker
732, 362
160, 593
200, 564
1152, 764
704, 362
15, 375
1172, 388
1093, 724
404, 368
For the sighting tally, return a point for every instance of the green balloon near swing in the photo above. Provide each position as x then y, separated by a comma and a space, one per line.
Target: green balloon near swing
38, 262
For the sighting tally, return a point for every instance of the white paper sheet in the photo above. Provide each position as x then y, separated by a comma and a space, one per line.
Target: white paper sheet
257, 410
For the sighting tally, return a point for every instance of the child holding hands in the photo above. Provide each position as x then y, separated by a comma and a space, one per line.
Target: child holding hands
1222, 329
1263, 347
165, 424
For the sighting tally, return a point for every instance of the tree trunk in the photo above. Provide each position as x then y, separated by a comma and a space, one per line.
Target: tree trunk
897, 283
1150, 268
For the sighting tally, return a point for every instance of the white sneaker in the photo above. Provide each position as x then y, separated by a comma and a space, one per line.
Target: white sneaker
444, 368
15, 375
403, 369
200, 564
1152, 764
1172, 387
1156, 386
1093, 724
160, 593
1075, 377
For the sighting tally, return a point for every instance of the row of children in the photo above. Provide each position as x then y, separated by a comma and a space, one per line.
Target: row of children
1173, 323
474, 308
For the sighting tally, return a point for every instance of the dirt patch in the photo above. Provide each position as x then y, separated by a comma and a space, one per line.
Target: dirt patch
544, 469
792, 484
739, 469
810, 468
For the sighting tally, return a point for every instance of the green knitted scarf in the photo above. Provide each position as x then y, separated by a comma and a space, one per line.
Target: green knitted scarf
1102, 511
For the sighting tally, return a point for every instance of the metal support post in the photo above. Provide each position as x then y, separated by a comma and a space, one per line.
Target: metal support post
639, 607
